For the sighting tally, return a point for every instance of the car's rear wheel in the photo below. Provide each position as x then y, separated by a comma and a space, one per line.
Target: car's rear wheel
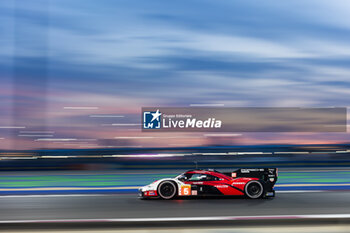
254, 189
167, 190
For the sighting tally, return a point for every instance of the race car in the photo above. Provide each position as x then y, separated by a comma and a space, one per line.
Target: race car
252, 183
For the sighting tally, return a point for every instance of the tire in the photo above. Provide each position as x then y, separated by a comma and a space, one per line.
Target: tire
167, 190
254, 189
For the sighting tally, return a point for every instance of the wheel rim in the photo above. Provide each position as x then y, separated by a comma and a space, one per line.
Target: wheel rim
167, 190
254, 190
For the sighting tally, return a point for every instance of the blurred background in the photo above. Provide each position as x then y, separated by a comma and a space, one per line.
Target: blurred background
82, 70
74, 76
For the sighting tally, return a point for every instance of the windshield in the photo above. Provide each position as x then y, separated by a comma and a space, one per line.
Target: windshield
183, 177
196, 177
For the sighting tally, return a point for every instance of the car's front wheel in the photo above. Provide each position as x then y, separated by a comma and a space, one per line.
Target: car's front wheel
254, 189
167, 190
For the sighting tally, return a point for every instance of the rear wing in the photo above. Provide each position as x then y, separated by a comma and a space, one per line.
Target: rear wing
266, 174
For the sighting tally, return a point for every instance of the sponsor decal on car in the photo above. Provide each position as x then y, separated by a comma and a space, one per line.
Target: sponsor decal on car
150, 193
185, 190
197, 182
233, 183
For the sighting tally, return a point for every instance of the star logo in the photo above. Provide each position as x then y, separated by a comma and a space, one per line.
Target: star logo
152, 120
156, 115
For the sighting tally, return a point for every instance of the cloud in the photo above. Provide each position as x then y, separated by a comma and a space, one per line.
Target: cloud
122, 55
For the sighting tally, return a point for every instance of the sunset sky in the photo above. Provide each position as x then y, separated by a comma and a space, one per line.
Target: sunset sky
69, 70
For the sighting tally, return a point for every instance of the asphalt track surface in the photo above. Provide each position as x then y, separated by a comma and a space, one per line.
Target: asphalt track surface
99, 206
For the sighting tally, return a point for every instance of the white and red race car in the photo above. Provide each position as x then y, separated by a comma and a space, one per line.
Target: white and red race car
253, 183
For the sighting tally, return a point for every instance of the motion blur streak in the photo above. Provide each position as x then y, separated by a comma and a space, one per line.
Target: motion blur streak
341, 228
81, 108
55, 182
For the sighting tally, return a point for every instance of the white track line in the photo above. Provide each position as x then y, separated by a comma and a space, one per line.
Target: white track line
184, 219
